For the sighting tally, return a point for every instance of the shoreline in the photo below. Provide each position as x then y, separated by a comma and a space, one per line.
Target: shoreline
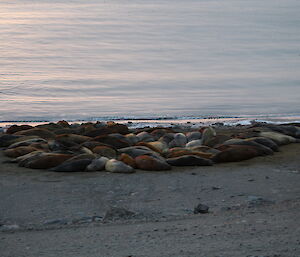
140, 122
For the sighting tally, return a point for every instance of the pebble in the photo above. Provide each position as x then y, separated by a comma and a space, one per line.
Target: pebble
255, 201
201, 208
9, 227
116, 213
57, 222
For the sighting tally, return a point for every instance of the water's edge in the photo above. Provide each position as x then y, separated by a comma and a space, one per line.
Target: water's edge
166, 121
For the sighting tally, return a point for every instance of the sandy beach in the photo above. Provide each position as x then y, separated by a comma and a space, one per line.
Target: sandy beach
254, 210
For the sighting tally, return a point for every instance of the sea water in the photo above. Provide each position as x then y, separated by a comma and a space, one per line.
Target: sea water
138, 59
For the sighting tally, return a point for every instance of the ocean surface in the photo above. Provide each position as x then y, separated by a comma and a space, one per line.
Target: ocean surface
138, 59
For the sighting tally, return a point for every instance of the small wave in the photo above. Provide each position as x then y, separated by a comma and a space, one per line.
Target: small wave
152, 121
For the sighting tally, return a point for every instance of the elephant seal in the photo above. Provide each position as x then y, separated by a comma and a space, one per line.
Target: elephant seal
105, 151
16, 128
72, 166
39, 132
189, 160
27, 142
22, 160
97, 164
194, 135
135, 151
264, 141
71, 139
19, 151
278, 138
111, 141
116, 166
177, 152
47, 160
7, 139
179, 140
264, 149
146, 162
131, 138
194, 143
156, 146
127, 159
208, 134
236, 153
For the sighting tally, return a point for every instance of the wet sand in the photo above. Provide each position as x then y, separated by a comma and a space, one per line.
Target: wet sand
254, 210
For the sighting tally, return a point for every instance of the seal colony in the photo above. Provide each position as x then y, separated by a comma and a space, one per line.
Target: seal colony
113, 147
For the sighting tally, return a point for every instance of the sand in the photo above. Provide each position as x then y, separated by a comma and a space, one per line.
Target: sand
254, 210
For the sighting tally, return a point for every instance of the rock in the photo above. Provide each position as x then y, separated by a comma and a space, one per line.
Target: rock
97, 164
146, 162
189, 160
87, 219
105, 151
15, 128
42, 133
116, 166
9, 227
195, 135
278, 138
56, 222
256, 201
201, 208
72, 166
111, 141
127, 159
115, 213
19, 151
194, 143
